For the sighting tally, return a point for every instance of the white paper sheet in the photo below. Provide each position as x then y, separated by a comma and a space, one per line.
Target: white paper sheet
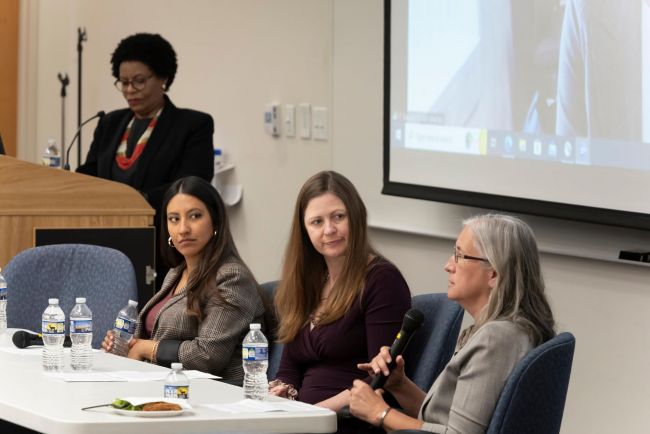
252, 406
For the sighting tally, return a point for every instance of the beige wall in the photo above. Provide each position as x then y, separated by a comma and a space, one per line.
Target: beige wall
235, 56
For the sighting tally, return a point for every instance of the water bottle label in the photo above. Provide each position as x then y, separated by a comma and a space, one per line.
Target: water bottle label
125, 325
177, 391
255, 354
53, 327
81, 326
3, 293
55, 161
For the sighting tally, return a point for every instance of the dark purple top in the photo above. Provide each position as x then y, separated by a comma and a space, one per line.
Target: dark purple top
322, 362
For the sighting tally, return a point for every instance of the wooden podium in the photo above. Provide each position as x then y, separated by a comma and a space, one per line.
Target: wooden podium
36, 197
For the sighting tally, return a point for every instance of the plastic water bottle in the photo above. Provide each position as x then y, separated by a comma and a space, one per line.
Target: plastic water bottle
177, 385
51, 155
3, 304
255, 358
218, 160
124, 328
53, 329
81, 334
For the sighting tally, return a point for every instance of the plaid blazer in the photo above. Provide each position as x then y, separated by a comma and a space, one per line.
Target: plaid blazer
213, 345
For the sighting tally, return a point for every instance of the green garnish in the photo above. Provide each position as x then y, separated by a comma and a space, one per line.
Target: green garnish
121, 404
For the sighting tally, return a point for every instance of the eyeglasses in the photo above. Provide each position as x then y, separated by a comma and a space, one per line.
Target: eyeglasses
457, 255
138, 83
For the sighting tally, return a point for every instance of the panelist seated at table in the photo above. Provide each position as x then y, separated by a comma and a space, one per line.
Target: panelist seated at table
208, 298
494, 274
338, 300
152, 143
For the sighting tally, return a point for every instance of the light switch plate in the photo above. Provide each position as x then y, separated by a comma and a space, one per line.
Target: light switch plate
289, 120
319, 123
304, 126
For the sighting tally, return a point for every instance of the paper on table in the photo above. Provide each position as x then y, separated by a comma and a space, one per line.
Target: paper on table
252, 406
128, 376
34, 350
160, 375
88, 377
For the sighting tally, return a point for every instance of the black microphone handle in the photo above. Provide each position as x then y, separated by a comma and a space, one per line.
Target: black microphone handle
395, 350
99, 114
24, 339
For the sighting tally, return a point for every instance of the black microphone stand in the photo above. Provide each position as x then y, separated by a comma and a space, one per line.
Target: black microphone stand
81, 37
63, 78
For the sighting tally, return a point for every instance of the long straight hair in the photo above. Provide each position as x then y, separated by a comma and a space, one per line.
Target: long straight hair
220, 247
519, 295
304, 272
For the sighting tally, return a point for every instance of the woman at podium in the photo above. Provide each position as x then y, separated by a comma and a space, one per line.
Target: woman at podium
151, 143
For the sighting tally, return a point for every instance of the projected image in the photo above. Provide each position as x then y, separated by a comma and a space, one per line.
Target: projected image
510, 102
555, 80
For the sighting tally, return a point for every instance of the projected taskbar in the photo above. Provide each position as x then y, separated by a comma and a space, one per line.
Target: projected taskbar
508, 144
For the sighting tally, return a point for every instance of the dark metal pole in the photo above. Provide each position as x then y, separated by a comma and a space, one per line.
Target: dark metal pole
63, 78
81, 37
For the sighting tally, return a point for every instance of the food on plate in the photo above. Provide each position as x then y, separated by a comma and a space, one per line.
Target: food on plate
121, 404
161, 406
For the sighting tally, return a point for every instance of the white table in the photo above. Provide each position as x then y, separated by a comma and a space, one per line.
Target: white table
33, 400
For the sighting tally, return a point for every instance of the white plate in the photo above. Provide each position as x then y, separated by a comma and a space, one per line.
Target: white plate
151, 413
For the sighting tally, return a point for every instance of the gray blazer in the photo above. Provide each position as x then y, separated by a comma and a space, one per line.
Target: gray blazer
463, 397
214, 345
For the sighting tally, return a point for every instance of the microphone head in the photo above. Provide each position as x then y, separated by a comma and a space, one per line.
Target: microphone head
413, 319
22, 339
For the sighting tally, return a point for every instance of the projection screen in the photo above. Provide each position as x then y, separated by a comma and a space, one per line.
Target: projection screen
532, 106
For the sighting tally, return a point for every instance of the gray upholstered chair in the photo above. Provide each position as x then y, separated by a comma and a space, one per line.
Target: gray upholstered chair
65, 271
275, 348
532, 400
433, 344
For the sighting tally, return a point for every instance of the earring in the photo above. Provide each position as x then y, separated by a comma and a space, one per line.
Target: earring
164, 86
169, 241
215, 233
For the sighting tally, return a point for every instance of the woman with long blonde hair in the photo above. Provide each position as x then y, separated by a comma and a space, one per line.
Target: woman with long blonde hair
338, 300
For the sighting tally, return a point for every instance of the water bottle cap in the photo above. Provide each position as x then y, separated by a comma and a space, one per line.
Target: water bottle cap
256, 326
177, 366
80, 300
133, 303
53, 301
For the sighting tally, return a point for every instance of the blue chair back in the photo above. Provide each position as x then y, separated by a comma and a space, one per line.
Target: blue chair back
532, 400
275, 348
432, 346
65, 271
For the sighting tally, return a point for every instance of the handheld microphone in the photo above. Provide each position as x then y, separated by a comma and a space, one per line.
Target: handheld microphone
413, 319
100, 114
23, 339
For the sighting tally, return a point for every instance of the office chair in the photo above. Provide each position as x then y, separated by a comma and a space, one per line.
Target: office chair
433, 344
532, 400
65, 271
275, 348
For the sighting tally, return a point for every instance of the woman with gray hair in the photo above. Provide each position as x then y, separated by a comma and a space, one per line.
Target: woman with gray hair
494, 274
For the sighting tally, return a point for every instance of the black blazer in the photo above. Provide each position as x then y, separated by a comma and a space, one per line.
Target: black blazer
180, 145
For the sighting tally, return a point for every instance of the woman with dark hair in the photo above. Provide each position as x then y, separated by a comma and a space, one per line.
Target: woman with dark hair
495, 275
338, 300
152, 143
208, 299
